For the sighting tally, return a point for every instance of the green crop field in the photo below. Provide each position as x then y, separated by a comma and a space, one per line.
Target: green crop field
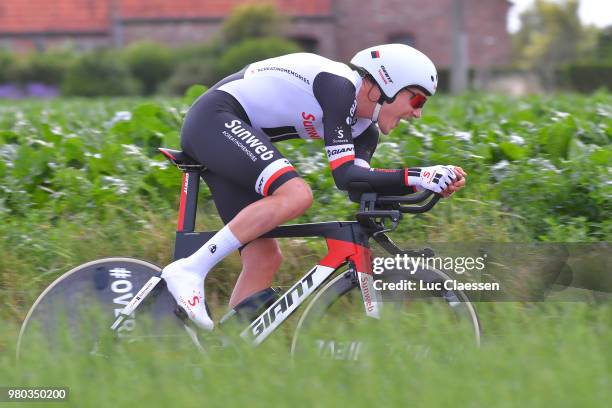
544, 355
82, 179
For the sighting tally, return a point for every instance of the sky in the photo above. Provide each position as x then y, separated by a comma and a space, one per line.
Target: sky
597, 12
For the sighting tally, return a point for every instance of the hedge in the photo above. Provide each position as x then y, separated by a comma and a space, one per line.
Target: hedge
586, 77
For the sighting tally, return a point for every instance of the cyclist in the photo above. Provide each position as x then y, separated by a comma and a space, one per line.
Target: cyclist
231, 129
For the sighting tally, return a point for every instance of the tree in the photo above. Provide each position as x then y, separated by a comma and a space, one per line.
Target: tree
256, 49
603, 47
252, 21
148, 62
551, 34
99, 73
7, 66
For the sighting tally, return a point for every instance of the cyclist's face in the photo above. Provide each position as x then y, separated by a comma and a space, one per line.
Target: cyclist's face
401, 108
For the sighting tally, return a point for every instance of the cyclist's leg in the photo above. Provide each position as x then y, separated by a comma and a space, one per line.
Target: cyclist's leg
289, 201
261, 260
261, 257
218, 134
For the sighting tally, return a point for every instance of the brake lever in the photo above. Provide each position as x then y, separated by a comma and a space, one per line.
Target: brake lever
368, 219
394, 224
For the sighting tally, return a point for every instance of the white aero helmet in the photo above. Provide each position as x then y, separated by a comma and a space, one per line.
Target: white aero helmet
397, 66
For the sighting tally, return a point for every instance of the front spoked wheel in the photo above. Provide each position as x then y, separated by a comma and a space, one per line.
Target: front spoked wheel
412, 324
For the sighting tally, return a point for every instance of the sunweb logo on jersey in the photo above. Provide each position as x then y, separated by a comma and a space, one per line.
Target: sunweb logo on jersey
339, 132
250, 140
309, 126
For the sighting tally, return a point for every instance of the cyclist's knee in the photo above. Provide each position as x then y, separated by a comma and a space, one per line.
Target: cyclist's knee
297, 196
304, 198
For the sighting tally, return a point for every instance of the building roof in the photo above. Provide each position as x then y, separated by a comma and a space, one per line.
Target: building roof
213, 8
18, 16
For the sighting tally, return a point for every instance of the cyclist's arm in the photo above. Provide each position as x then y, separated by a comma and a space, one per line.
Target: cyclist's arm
365, 146
336, 94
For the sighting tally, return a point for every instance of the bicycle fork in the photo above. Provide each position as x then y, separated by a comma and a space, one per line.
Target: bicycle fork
371, 298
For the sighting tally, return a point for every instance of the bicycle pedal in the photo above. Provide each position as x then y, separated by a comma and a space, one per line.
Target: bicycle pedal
181, 314
251, 307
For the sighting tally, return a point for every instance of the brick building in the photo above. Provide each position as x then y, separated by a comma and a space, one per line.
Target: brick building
334, 28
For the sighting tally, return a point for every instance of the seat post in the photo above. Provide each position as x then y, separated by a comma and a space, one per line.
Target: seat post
189, 201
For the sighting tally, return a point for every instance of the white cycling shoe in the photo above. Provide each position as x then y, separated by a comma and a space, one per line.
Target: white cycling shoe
187, 288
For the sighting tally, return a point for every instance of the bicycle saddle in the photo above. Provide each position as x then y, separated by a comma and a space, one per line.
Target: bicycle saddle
181, 159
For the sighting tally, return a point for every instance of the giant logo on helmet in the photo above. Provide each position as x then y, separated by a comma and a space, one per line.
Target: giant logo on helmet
384, 75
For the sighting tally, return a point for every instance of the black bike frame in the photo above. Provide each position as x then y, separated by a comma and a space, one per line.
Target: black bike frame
347, 243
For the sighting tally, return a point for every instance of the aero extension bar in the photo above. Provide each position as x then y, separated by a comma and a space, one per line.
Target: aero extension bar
371, 201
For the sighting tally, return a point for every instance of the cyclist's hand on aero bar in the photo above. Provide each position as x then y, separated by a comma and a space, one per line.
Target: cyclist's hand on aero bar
434, 178
457, 184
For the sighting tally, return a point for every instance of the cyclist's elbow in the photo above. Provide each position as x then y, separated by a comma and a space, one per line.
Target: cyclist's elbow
352, 184
341, 183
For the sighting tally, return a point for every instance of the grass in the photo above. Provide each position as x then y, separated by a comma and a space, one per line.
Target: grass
553, 353
36, 250
533, 355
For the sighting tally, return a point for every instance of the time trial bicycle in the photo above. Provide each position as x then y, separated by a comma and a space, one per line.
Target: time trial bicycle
342, 286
